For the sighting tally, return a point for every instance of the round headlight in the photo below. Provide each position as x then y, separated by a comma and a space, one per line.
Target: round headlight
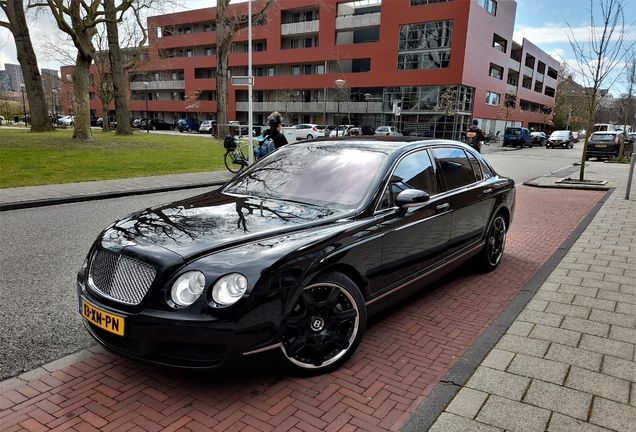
188, 288
229, 289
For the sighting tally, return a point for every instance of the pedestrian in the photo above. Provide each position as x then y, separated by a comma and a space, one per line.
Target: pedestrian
475, 136
275, 121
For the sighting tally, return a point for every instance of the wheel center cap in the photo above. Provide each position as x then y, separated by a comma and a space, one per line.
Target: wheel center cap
317, 323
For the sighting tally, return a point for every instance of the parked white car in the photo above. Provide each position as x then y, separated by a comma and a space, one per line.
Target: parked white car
67, 121
341, 130
387, 131
309, 131
207, 126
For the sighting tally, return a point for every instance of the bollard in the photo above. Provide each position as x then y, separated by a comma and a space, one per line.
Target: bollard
630, 176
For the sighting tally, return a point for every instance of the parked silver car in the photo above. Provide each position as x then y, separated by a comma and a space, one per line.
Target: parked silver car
387, 131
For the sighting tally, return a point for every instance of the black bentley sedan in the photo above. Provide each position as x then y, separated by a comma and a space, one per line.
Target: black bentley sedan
287, 260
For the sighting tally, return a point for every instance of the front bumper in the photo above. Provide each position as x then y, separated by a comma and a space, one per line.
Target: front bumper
560, 144
189, 342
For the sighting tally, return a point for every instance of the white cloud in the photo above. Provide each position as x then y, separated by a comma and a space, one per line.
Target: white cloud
552, 33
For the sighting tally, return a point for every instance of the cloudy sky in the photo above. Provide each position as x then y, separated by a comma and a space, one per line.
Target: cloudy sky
546, 23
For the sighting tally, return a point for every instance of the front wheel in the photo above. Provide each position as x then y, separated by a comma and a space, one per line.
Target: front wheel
325, 325
490, 256
235, 161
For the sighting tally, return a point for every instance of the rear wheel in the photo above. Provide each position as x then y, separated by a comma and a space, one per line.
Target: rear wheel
325, 326
189, 129
490, 256
234, 161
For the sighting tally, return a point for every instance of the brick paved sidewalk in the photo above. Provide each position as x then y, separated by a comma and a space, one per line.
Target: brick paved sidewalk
403, 356
567, 363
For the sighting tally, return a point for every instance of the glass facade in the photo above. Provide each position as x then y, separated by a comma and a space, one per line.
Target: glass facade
421, 112
425, 45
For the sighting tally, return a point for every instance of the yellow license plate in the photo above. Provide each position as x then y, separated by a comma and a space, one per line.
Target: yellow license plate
107, 321
601, 145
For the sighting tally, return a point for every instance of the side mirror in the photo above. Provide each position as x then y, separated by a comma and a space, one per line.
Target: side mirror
411, 198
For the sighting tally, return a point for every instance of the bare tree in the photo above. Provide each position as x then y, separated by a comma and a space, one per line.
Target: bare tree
227, 24
507, 108
17, 24
600, 55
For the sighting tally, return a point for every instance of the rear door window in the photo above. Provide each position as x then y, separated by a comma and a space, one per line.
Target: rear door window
454, 166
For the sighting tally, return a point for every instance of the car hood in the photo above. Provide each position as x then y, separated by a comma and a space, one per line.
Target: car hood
213, 221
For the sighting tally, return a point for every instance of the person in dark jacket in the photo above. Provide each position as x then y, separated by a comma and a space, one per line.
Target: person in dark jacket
275, 121
475, 136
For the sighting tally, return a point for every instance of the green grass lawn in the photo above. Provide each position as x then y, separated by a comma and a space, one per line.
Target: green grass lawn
31, 159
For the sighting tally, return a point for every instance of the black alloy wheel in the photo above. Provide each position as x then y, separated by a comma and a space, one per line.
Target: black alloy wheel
325, 326
490, 256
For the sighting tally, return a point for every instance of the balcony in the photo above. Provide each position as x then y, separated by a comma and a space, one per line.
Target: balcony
350, 22
514, 65
539, 77
511, 88
315, 107
159, 85
528, 71
300, 28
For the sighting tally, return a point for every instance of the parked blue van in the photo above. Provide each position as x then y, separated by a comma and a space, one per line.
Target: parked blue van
188, 124
517, 136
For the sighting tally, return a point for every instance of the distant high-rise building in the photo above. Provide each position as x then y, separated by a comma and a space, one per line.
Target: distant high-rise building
15, 76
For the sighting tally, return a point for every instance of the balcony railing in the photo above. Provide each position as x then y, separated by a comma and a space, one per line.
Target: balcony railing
345, 22
300, 28
528, 71
514, 65
313, 107
511, 88
158, 85
539, 77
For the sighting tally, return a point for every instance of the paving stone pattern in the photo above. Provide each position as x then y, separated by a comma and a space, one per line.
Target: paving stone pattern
404, 354
568, 361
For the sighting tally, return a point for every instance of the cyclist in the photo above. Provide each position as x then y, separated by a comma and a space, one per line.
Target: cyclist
475, 136
275, 121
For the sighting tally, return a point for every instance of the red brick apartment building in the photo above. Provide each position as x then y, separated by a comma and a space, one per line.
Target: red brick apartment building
339, 62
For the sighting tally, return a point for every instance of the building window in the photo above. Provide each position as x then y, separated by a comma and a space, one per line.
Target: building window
425, 2
259, 46
499, 43
425, 45
496, 71
307, 70
492, 98
270, 71
490, 6
320, 69
295, 43
295, 70
309, 42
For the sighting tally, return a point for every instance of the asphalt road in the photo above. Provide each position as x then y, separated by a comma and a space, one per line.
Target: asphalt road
41, 250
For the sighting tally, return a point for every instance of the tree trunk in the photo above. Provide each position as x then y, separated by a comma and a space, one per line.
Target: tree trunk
40, 121
105, 119
117, 71
81, 108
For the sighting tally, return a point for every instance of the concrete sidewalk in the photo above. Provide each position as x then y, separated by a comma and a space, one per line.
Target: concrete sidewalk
566, 361
560, 357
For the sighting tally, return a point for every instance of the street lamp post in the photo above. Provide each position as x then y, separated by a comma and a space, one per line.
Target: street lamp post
366, 113
340, 83
23, 105
145, 84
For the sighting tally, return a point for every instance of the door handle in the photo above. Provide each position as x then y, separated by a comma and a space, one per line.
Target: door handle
487, 191
443, 206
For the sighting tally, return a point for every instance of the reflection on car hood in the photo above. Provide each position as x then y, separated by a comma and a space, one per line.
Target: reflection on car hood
212, 221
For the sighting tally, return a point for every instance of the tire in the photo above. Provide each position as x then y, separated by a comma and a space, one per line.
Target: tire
490, 256
233, 162
189, 129
310, 136
325, 326
154, 128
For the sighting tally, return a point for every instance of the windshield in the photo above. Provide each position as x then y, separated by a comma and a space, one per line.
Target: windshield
560, 134
604, 137
312, 174
513, 131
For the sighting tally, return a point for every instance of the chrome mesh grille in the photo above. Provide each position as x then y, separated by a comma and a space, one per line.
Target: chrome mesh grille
120, 278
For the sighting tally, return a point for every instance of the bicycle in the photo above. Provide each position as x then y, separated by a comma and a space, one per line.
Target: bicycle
234, 157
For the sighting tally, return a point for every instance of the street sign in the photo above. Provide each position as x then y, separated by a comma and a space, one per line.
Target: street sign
242, 80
